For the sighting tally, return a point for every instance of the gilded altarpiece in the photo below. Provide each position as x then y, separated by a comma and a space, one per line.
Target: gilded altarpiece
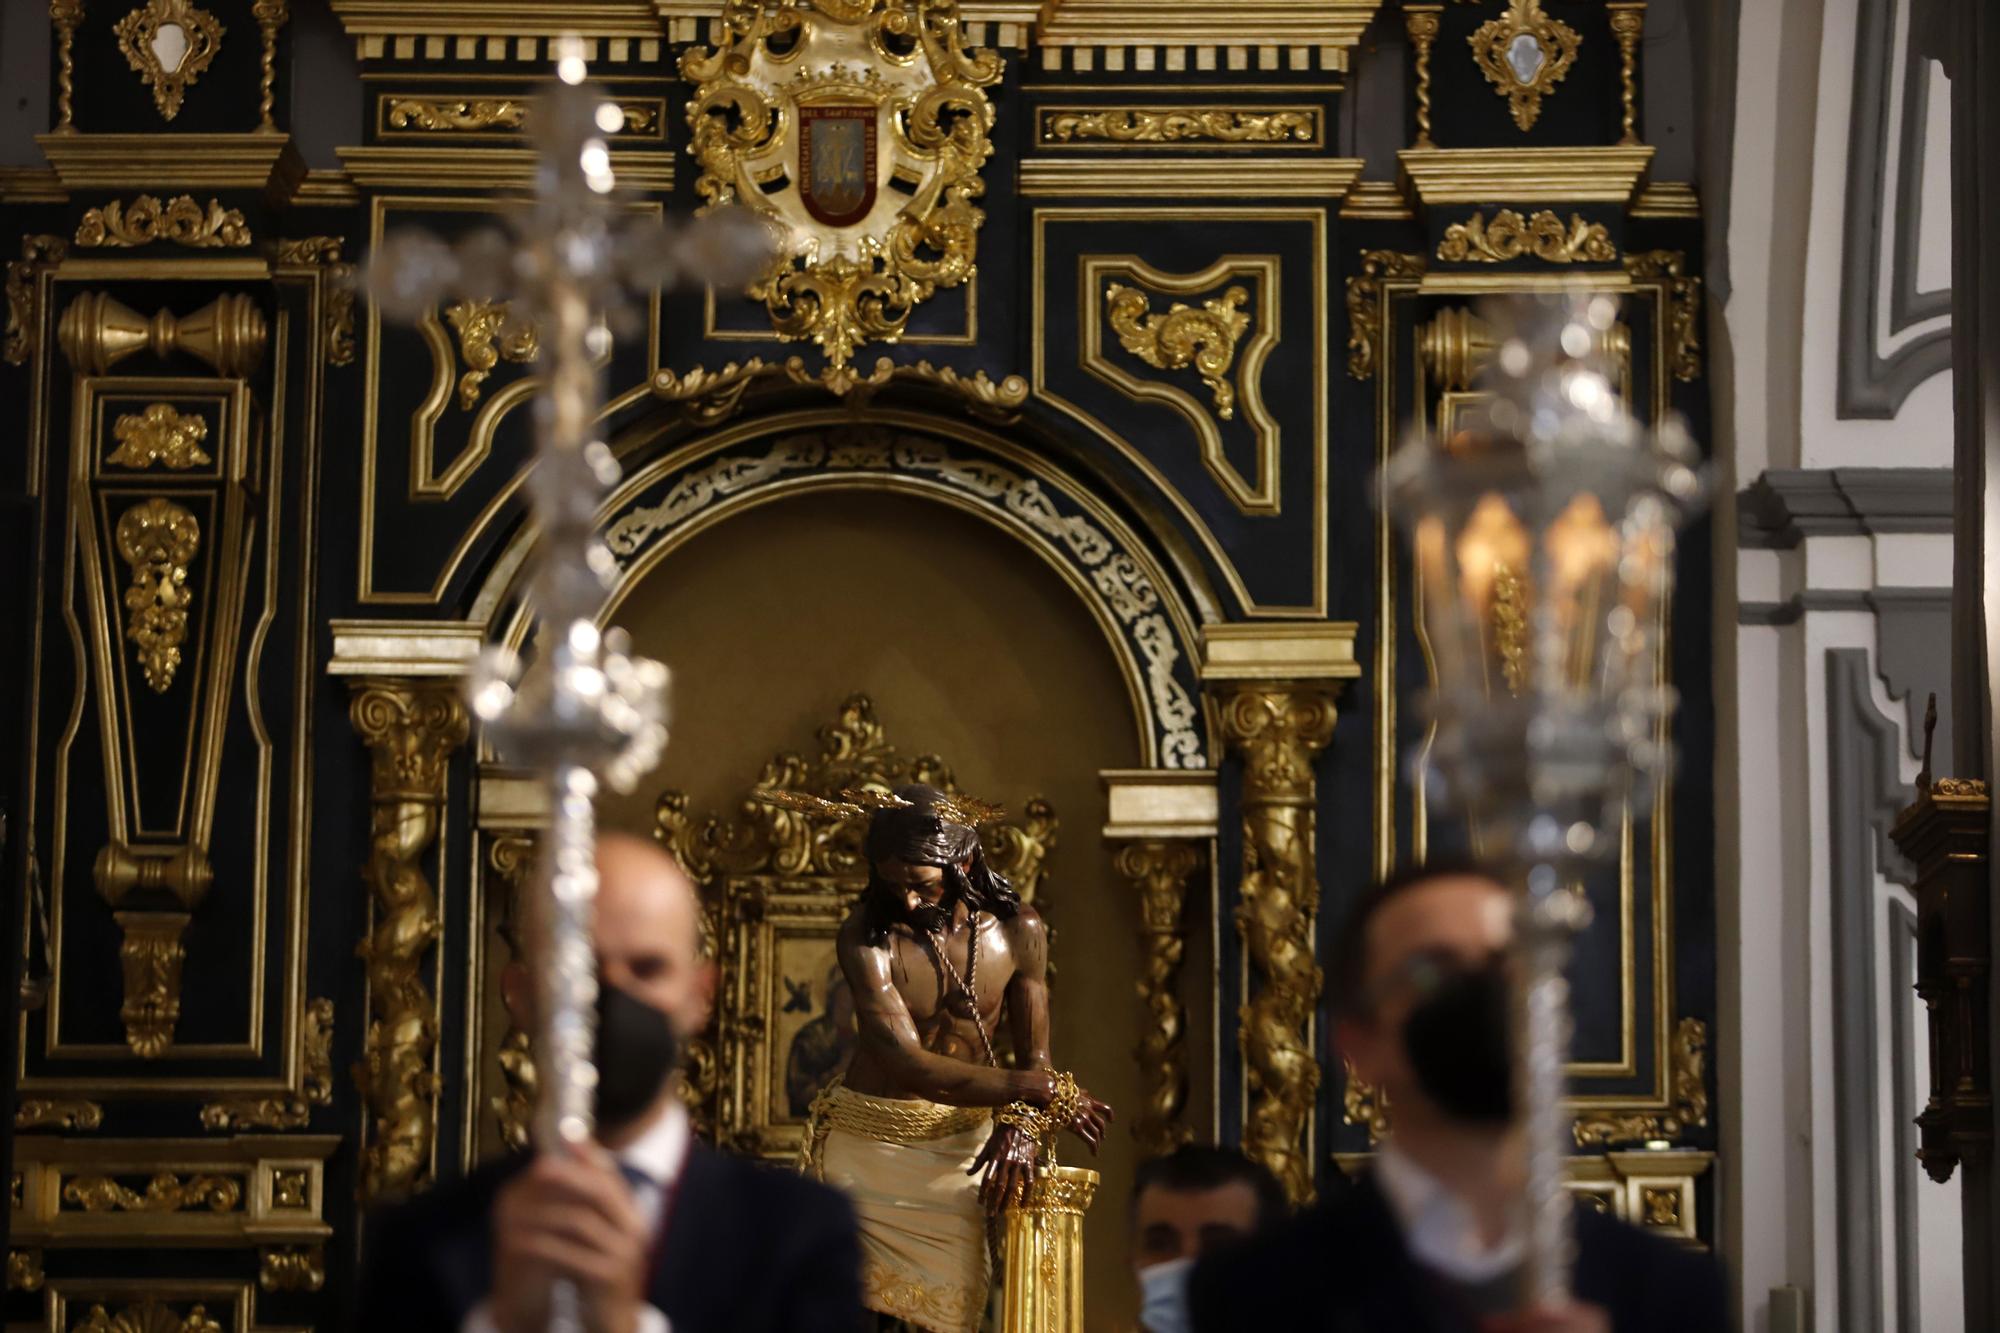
1151, 301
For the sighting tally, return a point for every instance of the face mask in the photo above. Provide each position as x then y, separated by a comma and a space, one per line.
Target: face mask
1460, 1045
637, 1048
1163, 1297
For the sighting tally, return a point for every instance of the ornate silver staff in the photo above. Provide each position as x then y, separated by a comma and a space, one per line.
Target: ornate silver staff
1544, 541
589, 708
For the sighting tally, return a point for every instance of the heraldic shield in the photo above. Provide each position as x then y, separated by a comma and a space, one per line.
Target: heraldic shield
837, 162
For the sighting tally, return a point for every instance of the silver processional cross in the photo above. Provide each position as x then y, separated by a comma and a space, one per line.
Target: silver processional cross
590, 710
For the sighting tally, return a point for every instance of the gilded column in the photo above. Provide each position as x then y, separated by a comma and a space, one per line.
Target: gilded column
411, 727
1158, 871
1277, 728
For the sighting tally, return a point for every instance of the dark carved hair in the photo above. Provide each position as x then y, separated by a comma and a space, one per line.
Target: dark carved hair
917, 835
1207, 1166
1350, 949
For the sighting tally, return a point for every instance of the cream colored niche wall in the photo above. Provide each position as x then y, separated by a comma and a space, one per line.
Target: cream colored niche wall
972, 648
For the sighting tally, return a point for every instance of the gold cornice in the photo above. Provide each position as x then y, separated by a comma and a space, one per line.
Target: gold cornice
1376, 200
1271, 650
326, 189
501, 18
1667, 199
1324, 178
455, 166
31, 185
1244, 23
1525, 175
266, 162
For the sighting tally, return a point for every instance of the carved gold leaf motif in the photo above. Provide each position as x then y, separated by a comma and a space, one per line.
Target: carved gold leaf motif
1182, 125
169, 43
486, 336
146, 219
43, 1113
292, 1268
289, 1112
39, 254
1683, 296
158, 539
1183, 336
160, 434
151, 956
1509, 236
165, 1192
808, 122
149, 1316
1687, 1086
485, 113
24, 1270
338, 319
1364, 306
1524, 53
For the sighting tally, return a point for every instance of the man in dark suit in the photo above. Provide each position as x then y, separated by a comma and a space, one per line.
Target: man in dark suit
1429, 1239
659, 1233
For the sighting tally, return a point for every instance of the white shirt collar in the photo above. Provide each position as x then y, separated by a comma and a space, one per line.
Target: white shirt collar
662, 1150
1439, 1229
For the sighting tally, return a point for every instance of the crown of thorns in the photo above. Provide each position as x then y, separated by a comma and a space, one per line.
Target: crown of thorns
863, 802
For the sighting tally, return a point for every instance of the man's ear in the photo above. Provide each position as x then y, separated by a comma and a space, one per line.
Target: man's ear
702, 1000
517, 993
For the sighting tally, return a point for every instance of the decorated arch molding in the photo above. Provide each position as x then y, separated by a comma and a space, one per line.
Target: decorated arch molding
1149, 628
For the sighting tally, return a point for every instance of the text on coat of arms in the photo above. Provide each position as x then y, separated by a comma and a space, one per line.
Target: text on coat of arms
858, 128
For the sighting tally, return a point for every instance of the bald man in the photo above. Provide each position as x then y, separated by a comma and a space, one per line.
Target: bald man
659, 1233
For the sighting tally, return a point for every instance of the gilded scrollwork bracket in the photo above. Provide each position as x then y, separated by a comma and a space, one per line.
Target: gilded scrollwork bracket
412, 728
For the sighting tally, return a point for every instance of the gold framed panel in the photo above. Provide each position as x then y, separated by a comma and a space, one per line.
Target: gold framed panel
424, 482
1263, 495
1038, 378
1395, 282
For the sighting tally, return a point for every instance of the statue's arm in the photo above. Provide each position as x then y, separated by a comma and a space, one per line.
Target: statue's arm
1028, 992
888, 1035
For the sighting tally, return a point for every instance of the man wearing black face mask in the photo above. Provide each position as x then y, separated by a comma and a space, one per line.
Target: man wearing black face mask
1430, 1239
658, 1232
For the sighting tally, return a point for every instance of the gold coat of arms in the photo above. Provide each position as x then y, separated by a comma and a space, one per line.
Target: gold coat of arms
858, 127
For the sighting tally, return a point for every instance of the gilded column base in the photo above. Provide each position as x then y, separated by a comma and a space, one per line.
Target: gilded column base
1043, 1290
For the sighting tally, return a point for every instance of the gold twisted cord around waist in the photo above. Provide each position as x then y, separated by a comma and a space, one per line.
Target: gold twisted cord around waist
884, 1119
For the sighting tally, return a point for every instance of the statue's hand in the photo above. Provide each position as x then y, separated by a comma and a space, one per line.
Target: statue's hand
1009, 1160
1092, 1115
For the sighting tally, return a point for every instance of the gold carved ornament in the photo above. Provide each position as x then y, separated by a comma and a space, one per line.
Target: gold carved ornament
39, 255
1365, 329
24, 1270
495, 113
291, 1267
160, 434
411, 728
1682, 293
807, 121
511, 857
66, 15
169, 43
337, 321
271, 16
158, 539
1509, 236
487, 335
293, 1111
1364, 1104
165, 1192
146, 219
151, 956
1160, 870
47, 1113
710, 397
1687, 1085
1183, 336
1278, 728
1628, 21
1524, 53
1182, 125
1421, 22
149, 1316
